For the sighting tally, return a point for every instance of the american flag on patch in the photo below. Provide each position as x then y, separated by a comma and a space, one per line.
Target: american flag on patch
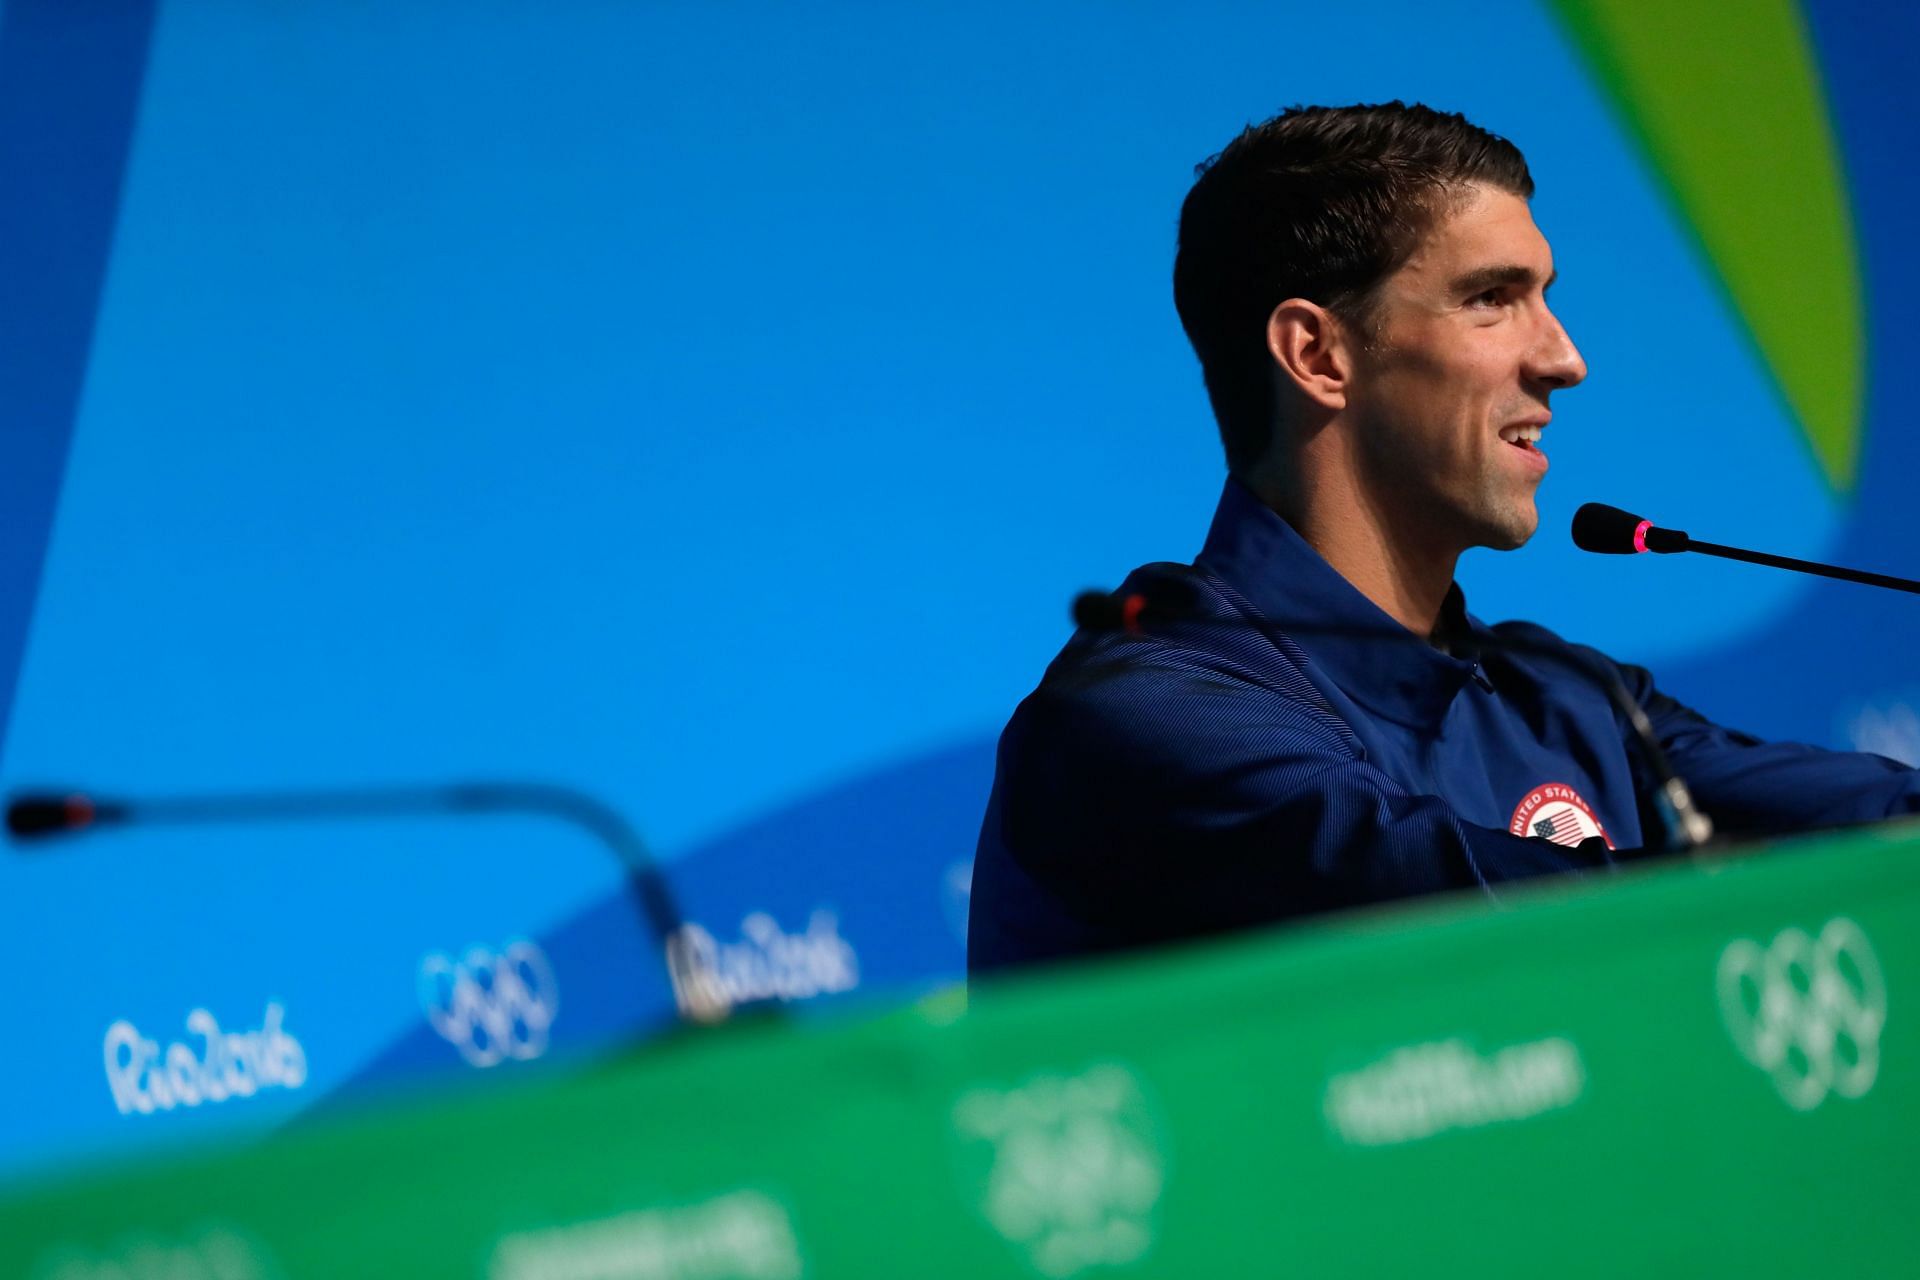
1561, 828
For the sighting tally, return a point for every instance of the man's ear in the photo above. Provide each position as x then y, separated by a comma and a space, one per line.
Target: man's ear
1309, 349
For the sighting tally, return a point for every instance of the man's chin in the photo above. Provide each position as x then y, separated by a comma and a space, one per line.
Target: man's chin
1513, 532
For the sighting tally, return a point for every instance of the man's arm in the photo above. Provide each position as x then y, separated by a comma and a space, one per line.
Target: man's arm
1751, 787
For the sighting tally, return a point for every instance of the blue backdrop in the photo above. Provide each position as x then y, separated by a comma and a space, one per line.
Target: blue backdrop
713, 406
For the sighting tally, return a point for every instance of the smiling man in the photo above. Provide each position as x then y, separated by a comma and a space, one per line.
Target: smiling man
1316, 721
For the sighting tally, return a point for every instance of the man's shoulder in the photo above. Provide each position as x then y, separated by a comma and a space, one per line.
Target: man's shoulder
1175, 621
1525, 636
1196, 659
1556, 658
1530, 633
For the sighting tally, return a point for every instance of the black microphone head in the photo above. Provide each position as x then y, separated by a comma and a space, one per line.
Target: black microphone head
1609, 530
33, 815
1158, 594
1108, 610
1096, 610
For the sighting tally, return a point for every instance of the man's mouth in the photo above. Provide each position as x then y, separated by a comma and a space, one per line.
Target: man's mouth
1522, 436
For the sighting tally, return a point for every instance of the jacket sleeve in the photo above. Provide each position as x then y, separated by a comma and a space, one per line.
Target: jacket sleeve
1164, 804
1751, 787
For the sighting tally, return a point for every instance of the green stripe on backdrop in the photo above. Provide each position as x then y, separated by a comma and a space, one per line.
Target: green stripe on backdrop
1726, 100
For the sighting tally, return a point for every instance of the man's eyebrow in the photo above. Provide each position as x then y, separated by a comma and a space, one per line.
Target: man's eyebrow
1481, 279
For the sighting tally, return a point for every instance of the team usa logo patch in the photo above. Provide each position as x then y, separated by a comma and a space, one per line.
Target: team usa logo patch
1556, 812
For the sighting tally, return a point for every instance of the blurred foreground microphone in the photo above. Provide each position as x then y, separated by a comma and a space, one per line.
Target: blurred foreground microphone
1686, 827
37, 816
1611, 531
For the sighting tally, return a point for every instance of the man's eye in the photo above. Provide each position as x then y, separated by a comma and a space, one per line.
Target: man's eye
1486, 298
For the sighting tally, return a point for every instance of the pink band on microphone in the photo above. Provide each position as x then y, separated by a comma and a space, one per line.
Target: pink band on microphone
1640, 535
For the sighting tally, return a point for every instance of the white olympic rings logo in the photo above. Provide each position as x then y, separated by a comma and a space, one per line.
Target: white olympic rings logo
491, 1007
1807, 1011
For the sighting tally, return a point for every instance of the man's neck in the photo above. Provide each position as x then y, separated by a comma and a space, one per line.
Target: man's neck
1406, 574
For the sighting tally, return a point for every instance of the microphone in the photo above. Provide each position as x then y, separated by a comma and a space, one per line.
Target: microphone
1685, 825
37, 816
1611, 531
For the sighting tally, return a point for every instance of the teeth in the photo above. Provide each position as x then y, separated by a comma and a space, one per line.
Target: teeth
1514, 435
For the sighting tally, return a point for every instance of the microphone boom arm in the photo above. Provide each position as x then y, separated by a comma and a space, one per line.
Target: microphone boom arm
1803, 566
40, 815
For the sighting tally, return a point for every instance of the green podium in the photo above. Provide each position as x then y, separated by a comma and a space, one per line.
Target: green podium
1691, 1068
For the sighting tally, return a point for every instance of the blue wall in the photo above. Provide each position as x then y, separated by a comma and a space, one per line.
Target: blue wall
713, 407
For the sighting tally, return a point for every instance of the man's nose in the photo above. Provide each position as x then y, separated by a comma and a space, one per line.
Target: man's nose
1554, 360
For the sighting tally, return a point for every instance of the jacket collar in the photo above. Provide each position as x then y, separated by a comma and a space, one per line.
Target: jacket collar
1385, 667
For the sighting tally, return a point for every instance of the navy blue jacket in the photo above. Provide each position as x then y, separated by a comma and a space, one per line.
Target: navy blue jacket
1213, 773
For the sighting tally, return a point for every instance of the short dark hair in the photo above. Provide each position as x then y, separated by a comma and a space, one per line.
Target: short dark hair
1321, 203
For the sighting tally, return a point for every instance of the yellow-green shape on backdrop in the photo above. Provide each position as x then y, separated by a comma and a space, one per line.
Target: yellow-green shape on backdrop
1726, 100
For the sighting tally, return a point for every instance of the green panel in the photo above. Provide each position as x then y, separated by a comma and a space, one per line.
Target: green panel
1727, 102
1705, 1068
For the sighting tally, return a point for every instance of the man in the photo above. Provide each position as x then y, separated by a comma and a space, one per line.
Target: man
1321, 724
